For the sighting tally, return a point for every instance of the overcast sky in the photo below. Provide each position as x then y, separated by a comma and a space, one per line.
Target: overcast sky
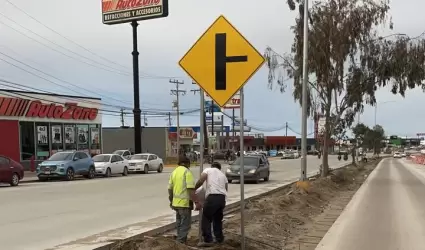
162, 42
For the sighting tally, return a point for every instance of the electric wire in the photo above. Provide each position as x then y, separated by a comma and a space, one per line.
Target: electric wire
22, 87
96, 63
54, 77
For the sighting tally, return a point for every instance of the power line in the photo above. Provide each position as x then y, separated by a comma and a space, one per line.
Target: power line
23, 87
176, 104
75, 43
54, 77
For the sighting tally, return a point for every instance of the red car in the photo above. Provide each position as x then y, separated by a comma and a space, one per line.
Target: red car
10, 171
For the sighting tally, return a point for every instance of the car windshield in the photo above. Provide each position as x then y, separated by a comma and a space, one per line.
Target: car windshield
248, 161
139, 157
118, 152
61, 157
101, 158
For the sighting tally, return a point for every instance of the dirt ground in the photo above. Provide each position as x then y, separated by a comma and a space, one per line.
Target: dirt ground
295, 218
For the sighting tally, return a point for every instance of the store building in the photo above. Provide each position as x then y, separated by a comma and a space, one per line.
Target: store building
38, 125
161, 141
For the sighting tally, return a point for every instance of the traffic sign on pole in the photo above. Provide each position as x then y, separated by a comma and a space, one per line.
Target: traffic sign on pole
221, 61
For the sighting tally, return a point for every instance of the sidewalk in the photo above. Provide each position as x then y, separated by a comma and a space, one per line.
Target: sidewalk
29, 177
385, 213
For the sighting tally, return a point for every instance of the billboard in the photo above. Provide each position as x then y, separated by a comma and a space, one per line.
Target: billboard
233, 103
123, 11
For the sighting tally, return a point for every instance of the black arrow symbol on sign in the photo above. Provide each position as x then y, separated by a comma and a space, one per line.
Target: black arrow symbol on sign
221, 60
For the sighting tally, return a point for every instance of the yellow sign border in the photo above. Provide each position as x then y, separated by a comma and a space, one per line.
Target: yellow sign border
203, 34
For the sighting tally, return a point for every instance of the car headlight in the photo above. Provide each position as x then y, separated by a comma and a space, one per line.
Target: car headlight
228, 170
252, 171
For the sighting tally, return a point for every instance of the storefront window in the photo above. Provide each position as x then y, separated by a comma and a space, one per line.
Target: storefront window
95, 139
27, 140
83, 137
56, 138
42, 143
70, 137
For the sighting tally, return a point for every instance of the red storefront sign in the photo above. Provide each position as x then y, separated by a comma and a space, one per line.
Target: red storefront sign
36, 109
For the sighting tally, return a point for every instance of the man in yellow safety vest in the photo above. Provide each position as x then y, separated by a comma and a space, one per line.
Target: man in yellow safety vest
181, 192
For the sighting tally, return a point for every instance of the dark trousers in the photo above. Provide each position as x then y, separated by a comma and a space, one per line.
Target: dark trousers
213, 214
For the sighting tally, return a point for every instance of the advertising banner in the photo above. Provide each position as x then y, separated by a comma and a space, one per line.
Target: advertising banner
122, 11
56, 134
234, 103
42, 135
69, 134
94, 133
83, 135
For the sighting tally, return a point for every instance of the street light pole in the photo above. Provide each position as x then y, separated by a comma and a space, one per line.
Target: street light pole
304, 98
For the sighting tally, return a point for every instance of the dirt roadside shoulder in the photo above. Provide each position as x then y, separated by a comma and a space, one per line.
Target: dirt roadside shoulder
292, 219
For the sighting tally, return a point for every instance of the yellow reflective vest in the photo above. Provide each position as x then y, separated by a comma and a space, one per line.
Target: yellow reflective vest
181, 179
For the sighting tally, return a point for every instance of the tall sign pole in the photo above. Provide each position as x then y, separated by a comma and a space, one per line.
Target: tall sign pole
116, 12
206, 63
304, 98
136, 109
242, 168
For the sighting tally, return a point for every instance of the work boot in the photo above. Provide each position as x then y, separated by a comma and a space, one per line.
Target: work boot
205, 244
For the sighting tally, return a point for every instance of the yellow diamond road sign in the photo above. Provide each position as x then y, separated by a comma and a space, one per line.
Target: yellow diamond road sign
221, 61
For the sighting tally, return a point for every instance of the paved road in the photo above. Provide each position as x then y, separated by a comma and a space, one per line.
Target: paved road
43, 215
387, 213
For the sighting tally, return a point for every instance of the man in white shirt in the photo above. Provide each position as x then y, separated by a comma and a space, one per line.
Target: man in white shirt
215, 202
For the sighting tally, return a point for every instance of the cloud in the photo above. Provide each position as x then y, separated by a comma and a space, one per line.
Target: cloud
162, 43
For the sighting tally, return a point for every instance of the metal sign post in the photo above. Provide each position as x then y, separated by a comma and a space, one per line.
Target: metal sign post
201, 156
206, 63
242, 170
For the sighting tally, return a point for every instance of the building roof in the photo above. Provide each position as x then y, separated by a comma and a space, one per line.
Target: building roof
47, 94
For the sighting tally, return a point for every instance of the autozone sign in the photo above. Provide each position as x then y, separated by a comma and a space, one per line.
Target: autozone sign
121, 11
19, 107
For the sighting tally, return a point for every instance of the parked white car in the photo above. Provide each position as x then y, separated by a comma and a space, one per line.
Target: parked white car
145, 163
296, 154
126, 154
110, 164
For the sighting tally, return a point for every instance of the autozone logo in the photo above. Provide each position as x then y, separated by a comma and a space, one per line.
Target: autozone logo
36, 109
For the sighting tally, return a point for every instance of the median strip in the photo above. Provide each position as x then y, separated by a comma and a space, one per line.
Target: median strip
166, 222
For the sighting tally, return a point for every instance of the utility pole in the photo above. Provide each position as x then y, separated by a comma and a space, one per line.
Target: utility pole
145, 120
177, 93
122, 117
286, 134
212, 119
203, 125
169, 119
233, 129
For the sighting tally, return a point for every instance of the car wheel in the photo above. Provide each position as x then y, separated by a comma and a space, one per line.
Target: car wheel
15, 180
70, 174
229, 181
108, 173
92, 173
146, 169
125, 172
268, 177
160, 168
257, 180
